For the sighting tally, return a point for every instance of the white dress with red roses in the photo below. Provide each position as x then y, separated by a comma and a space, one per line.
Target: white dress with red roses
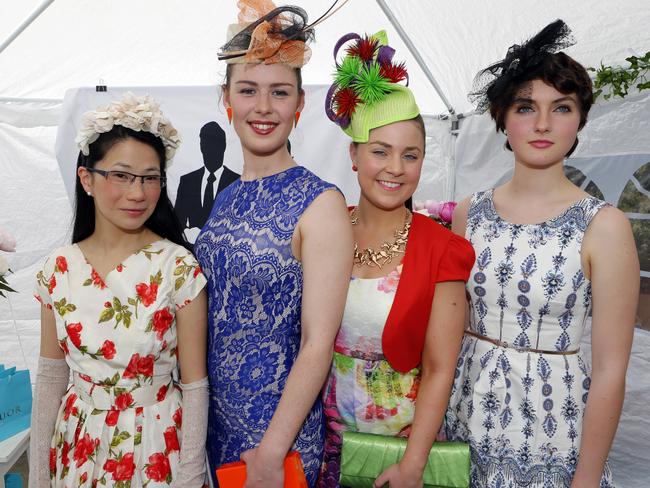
119, 423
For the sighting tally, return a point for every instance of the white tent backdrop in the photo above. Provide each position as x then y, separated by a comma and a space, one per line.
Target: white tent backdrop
163, 43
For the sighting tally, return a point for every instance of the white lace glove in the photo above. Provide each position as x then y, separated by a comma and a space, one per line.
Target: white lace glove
192, 469
52, 380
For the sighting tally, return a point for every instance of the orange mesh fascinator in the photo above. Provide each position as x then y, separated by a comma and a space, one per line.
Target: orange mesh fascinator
269, 34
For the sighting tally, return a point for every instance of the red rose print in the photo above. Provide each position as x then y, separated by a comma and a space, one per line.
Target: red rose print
119, 268
162, 320
51, 284
61, 264
108, 349
74, 333
107, 305
139, 411
65, 460
171, 440
147, 293
69, 407
111, 417
197, 270
123, 401
52, 460
84, 448
162, 393
158, 468
122, 469
178, 417
85, 377
131, 370
83, 478
145, 365
64, 345
97, 280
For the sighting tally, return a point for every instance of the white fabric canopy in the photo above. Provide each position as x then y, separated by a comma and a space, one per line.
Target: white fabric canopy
146, 43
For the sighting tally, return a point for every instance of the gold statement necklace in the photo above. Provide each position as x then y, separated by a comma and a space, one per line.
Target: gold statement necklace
387, 251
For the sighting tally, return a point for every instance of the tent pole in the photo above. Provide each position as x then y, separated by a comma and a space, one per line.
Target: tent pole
32, 17
402, 33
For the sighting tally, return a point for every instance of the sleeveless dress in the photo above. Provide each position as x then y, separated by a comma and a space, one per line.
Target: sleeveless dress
521, 410
119, 424
363, 392
255, 294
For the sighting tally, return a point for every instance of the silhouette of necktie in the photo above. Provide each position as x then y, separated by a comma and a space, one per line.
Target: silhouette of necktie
208, 196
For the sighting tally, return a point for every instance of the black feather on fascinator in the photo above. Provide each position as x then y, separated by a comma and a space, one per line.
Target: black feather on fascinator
286, 23
499, 77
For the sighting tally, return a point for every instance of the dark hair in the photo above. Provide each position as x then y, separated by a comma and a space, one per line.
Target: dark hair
163, 220
557, 70
297, 71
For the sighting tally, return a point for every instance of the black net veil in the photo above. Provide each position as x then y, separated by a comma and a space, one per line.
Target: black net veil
288, 22
499, 77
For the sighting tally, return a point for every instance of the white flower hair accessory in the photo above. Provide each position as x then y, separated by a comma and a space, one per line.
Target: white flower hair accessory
133, 112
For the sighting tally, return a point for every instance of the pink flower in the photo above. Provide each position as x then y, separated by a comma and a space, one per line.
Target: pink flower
7, 242
389, 283
439, 210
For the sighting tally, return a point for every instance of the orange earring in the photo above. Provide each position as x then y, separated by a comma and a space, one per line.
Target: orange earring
229, 113
296, 119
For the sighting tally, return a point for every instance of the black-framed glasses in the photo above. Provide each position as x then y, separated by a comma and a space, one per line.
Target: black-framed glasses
125, 179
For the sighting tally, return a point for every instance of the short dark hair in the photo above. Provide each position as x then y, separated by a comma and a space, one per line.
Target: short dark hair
163, 220
558, 70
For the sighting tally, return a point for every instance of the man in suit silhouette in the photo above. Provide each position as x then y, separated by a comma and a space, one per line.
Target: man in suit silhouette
198, 189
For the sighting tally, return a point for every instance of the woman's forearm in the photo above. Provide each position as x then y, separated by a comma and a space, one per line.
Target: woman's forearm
431, 403
600, 421
303, 385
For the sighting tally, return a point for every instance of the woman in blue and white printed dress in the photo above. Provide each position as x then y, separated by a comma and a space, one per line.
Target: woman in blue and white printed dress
547, 254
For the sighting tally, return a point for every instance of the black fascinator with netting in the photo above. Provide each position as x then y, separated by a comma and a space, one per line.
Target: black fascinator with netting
498, 78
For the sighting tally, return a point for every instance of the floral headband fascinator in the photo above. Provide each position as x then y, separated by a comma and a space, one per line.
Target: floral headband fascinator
366, 92
495, 80
136, 113
269, 34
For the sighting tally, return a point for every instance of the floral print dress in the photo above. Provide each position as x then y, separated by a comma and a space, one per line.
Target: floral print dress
119, 422
521, 411
364, 393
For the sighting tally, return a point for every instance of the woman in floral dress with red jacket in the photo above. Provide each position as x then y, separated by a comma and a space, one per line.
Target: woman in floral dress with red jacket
122, 307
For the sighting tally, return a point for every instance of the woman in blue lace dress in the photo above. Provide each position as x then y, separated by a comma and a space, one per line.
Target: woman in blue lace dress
277, 253
547, 255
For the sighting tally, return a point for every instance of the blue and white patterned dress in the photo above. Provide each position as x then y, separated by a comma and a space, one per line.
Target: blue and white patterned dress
522, 411
255, 294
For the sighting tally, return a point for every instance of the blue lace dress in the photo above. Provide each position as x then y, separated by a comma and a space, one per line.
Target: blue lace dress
521, 411
255, 294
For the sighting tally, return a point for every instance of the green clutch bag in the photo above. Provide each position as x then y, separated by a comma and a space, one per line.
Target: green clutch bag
365, 456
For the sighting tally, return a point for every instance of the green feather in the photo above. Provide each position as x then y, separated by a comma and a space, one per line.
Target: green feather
348, 71
370, 85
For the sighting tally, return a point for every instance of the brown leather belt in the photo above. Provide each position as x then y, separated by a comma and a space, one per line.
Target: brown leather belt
507, 345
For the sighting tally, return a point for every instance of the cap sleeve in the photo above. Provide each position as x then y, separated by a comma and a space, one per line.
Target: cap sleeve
457, 262
45, 283
188, 279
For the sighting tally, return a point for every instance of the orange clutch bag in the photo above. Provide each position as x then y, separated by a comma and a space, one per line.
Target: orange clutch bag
233, 475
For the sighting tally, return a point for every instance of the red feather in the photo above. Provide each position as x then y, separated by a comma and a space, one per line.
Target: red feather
364, 48
394, 72
346, 101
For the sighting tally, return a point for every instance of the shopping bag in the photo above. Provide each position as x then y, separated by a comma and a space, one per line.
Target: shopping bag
233, 475
15, 402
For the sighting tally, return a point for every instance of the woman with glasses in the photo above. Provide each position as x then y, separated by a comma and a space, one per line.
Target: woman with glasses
122, 308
